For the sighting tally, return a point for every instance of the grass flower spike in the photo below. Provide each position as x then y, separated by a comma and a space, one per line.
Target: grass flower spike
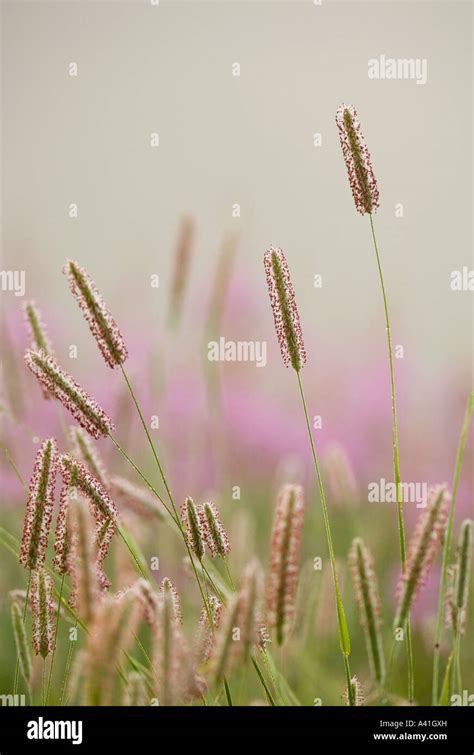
103, 538
137, 499
421, 553
168, 587
102, 504
457, 594
367, 598
111, 634
62, 538
204, 641
285, 311
101, 323
82, 560
39, 508
181, 268
339, 473
37, 328
148, 599
251, 609
358, 162
223, 653
214, 532
193, 528
61, 385
38, 333
169, 651
42, 612
284, 556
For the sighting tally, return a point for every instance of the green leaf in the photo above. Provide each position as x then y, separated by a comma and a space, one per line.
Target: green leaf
227, 693
135, 551
286, 694
444, 698
343, 630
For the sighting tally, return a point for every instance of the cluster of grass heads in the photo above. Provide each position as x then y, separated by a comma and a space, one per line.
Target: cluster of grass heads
169, 604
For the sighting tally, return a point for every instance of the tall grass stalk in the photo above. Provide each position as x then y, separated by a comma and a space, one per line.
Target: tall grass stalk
67, 668
365, 192
344, 639
396, 463
447, 545
290, 337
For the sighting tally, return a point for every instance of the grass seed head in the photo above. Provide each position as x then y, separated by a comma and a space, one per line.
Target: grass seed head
168, 587
62, 386
101, 323
215, 535
204, 640
103, 507
193, 526
181, 268
284, 556
366, 592
39, 507
42, 612
148, 599
82, 560
285, 311
421, 551
457, 592
358, 161
136, 498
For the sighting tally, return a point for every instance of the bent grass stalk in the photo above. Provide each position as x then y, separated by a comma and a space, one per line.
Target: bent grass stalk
174, 513
447, 545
